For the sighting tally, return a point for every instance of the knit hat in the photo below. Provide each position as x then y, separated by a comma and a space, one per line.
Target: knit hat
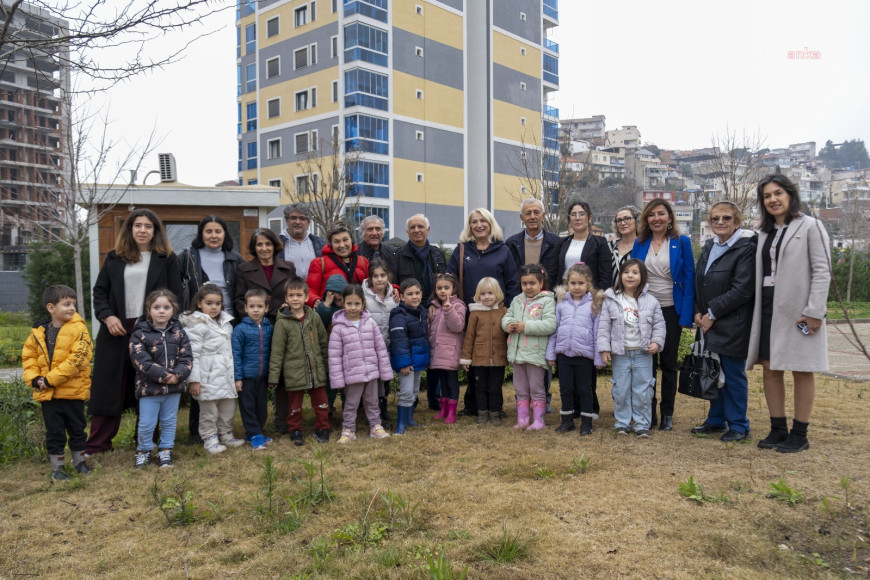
336, 283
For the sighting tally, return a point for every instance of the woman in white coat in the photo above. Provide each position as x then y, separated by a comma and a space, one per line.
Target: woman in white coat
793, 274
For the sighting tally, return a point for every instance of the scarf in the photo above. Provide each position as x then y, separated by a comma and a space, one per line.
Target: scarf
423, 255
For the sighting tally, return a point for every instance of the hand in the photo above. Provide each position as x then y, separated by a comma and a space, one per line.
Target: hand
813, 324
551, 362
520, 327
465, 367
272, 386
446, 305
238, 386
171, 379
115, 326
698, 318
511, 328
330, 298
195, 389
396, 295
706, 323
317, 303
654, 348
405, 371
41, 383
599, 367
605, 356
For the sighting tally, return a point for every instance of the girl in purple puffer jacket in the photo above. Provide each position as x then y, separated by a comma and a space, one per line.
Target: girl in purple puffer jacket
446, 333
574, 346
358, 358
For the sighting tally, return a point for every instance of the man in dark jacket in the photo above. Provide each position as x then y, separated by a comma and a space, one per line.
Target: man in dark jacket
300, 247
371, 229
418, 258
535, 245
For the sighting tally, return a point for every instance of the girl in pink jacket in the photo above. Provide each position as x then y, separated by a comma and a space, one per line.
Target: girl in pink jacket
446, 330
358, 358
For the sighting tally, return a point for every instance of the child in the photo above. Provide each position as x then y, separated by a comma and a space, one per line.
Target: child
446, 329
332, 300
379, 303
252, 342
56, 359
161, 353
573, 346
212, 381
632, 329
357, 359
530, 320
485, 349
409, 349
299, 347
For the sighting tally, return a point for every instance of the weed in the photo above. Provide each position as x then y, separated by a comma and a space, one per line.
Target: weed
544, 473
508, 547
389, 558
321, 551
580, 464
361, 534
314, 479
399, 509
176, 504
268, 503
816, 559
421, 552
458, 534
692, 490
737, 485
846, 484
126, 437
20, 418
781, 491
440, 568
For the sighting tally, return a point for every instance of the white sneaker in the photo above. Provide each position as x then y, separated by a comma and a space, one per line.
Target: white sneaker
378, 432
213, 446
230, 440
347, 436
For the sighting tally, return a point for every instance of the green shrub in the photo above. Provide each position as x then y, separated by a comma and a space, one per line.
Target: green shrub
10, 352
20, 423
53, 264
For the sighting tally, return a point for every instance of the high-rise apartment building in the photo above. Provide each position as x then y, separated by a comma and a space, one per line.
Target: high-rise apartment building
444, 102
32, 158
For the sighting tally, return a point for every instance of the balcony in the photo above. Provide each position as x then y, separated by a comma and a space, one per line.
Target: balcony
550, 45
550, 111
551, 10
374, 9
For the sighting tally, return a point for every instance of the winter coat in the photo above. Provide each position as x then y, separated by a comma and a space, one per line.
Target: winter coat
549, 254
408, 266
446, 333
157, 353
251, 275
299, 350
357, 353
496, 261
252, 344
485, 343
576, 328
596, 254
539, 316
379, 309
728, 289
211, 341
802, 282
409, 338
682, 274
386, 253
107, 387
611, 328
69, 371
193, 276
325, 266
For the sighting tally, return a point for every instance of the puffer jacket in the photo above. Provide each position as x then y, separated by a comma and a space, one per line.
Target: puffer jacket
323, 267
485, 343
211, 341
495, 261
252, 344
299, 350
157, 353
409, 338
611, 329
357, 353
576, 328
69, 371
539, 316
380, 309
446, 334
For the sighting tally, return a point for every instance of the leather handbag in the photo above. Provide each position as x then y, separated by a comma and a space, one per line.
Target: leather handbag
701, 372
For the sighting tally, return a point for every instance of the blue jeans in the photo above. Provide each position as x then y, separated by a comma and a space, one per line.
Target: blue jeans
729, 409
633, 388
163, 408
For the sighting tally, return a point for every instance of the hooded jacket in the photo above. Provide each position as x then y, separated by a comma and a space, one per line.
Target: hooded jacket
252, 344
485, 343
156, 353
611, 329
299, 350
539, 317
211, 341
357, 352
379, 309
409, 338
446, 333
69, 371
325, 266
577, 327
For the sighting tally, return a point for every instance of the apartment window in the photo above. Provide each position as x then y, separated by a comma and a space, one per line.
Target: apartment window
251, 77
307, 183
313, 95
366, 89
274, 183
522, 51
254, 181
273, 27
274, 148
300, 16
419, 178
312, 54
274, 107
250, 7
375, 9
251, 114
523, 155
333, 47
334, 6
273, 67
335, 137
419, 94
362, 42
522, 189
238, 119
367, 134
238, 42
523, 121
418, 51
369, 179
522, 86
418, 9
250, 38
301, 99
301, 142
334, 91
418, 135
252, 155
313, 11
300, 58
523, 16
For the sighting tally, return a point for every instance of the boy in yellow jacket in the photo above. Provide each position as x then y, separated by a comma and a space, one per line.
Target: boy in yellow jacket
57, 364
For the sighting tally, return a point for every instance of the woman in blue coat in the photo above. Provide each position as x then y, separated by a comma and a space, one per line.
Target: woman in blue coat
671, 266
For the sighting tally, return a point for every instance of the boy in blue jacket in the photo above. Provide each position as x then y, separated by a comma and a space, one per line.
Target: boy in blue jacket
252, 341
409, 349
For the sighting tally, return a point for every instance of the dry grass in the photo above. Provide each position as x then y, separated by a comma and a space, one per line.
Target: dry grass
622, 518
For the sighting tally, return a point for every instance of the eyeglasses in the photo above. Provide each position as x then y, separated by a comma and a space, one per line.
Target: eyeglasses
721, 218
297, 218
578, 214
624, 220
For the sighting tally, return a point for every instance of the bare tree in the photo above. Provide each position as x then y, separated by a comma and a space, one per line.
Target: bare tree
736, 167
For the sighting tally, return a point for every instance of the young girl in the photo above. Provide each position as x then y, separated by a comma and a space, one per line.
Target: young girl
529, 322
379, 303
446, 326
358, 357
484, 350
212, 380
632, 329
409, 349
573, 346
161, 354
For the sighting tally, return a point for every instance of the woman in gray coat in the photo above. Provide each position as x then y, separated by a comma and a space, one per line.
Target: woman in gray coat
793, 273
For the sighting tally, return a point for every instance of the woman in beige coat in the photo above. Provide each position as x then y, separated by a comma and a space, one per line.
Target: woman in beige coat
788, 323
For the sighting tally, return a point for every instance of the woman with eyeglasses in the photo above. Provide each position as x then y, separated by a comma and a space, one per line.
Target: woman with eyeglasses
581, 247
724, 292
625, 226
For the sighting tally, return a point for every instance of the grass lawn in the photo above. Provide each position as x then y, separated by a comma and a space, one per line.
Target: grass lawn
622, 517
855, 310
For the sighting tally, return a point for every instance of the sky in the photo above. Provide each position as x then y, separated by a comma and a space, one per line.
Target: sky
681, 71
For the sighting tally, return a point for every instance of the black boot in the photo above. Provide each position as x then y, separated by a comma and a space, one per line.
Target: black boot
797, 439
585, 425
667, 423
778, 433
567, 423
655, 415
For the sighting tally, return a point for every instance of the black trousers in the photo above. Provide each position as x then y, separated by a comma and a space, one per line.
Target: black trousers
448, 380
434, 388
666, 361
252, 404
575, 384
488, 382
64, 417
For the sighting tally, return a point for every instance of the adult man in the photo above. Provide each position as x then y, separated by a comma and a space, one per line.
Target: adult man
372, 247
418, 258
300, 247
535, 245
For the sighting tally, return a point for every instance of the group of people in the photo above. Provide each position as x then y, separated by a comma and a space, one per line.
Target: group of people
311, 316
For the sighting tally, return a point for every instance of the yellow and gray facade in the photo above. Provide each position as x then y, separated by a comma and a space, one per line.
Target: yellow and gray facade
440, 98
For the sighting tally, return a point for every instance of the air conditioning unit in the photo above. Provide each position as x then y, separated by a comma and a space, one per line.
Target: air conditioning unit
167, 167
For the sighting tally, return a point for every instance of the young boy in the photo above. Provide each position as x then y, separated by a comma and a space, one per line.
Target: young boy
252, 342
299, 348
57, 363
409, 349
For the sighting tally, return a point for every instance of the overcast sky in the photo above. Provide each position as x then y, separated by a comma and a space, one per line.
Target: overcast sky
679, 70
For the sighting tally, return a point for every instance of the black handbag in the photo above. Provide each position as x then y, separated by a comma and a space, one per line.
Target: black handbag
700, 372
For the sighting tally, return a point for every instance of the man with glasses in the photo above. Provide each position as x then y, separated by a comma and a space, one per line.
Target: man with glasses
300, 247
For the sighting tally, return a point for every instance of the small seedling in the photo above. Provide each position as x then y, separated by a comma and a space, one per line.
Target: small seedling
692, 490
458, 534
737, 485
580, 464
508, 547
781, 491
321, 551
846, 484
176, 505
314, 479
440, 568
399, 509
389, 558
361, 534
544, 473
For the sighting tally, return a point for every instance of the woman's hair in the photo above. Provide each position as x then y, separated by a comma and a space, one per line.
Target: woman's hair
354, 290
794, 202
198, 242
206, 289
635, 213
619, 288
572, 203
382, 264
269, 235
161, 293
535, 270
493, 285
735, 211
495, 232
444, 276
409, 283
338, 228
586, 272
125, 246
643, 231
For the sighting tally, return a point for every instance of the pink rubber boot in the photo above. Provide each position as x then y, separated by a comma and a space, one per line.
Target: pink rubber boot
522, 415
538, 410
451, 410
442, 414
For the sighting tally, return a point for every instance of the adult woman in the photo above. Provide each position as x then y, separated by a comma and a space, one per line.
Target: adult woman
625, 226
724, 289
141, 262
210, 258
792, 275
671, 266
266, 270
340, 256
582, 247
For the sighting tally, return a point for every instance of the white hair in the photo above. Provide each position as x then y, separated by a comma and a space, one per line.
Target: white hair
416, 215
367, 219
531, 200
